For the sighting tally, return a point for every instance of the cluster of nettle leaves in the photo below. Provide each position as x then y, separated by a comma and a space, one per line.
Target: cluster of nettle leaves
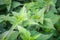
29, 20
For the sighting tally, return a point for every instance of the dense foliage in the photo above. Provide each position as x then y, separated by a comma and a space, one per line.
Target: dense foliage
29, 19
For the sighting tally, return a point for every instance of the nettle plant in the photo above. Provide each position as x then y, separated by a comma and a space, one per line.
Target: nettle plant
28, 20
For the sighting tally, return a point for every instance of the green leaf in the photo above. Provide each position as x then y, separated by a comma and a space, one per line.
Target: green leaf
24, 33
1, 2
20, 16
35, 34
48, 24
12, 35
39, 16
51, 15
2, 18
57, 25
29, 22
40, 36
8, 3
15, 4
44, 36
